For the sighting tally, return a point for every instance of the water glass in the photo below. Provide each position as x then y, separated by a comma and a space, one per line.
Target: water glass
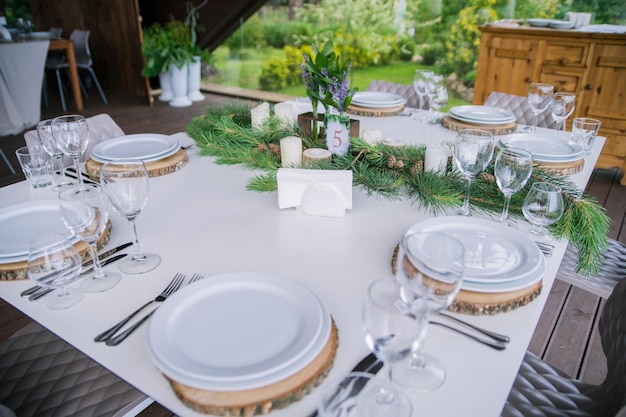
512, 170
54, 263
543, 206
46, 138
563, 105
36, 165
473, 150
584, 132
71, 133
539, 99
421, 78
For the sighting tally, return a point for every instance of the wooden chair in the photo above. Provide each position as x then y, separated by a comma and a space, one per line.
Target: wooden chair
520, 108
44, 376
541, 390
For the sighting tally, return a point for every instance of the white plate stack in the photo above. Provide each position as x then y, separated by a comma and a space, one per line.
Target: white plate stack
377, 100
544, 148
481, 115
147, 147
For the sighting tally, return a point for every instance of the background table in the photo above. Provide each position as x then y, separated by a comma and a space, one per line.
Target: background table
201, 219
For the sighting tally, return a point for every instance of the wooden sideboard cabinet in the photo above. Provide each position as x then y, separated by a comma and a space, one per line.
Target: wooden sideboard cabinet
591, 65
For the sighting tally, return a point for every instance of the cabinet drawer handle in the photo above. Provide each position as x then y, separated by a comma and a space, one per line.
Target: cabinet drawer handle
527, 80
588, 86
562, 61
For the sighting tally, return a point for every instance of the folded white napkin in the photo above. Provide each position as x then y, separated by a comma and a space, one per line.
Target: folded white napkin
315, 192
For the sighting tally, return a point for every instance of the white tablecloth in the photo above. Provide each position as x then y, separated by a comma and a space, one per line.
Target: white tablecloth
21, 77
201, 219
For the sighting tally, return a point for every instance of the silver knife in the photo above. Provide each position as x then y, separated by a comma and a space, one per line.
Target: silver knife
44, 291
88, 262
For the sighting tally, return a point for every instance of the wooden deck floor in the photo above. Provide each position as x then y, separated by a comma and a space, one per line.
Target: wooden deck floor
566, 335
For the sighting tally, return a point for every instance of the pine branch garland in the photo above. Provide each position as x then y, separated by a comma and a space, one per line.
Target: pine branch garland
225, 132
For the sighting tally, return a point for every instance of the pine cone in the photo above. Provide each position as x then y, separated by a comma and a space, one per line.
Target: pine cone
274, 148
391, 161
417, 168
261, 147
399, 164
489, 178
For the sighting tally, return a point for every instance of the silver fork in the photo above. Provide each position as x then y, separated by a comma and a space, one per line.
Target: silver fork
107, 336
194, 278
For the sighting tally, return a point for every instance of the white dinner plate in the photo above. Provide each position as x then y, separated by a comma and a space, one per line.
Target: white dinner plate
494, 253
479, 122
539, 23
143, 146
482, 114
238, 331
377, 99
24, 222
561, 24
544, 148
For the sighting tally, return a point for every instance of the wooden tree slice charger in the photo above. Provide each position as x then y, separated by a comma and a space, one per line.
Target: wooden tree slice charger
370, 112
477, 303
163, 166
264, 399
455, 125
562, 169
17, 270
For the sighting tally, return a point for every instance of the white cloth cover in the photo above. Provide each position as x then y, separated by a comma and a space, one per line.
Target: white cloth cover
21, 77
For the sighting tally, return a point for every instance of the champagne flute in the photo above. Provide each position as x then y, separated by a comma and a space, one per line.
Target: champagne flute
71, 133
539, 99
512, 170
49, 144
542, 207
584, 132
420, 81
54, 263
390, 331
563, 105
85, 212
429, 270
126, 184
472, 151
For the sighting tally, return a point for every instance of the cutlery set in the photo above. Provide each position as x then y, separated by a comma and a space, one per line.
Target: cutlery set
112, 337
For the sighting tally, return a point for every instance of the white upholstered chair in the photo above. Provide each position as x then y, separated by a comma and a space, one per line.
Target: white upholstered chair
101, 127
520, 108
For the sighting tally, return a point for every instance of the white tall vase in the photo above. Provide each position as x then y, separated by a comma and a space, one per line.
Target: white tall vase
193, 83
179, 86
165, 80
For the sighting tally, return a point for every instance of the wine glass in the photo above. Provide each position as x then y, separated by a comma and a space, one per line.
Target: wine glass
126, 184
439, 101
432, 88
563, 105
85, 212
49, 144
542, 207
420, 81
54, 263
390, 331
473, 149
539, 99
71, 133
429, 270
348, 396
512, 170
584, 132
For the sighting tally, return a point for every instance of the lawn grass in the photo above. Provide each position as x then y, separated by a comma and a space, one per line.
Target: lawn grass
244, 72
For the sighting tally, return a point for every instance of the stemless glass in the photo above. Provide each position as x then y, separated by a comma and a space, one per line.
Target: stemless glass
539, 99
473, 149
512, 170
126, 184
390, 331
563, 105
542, 207
54, 263
49, 144
584, 132
71, 134
420, 82
429, 269
85, 212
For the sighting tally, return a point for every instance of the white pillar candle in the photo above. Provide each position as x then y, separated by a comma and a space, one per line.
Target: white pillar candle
291, 151
436, 157
371, 136
259, 114
394, 142
284, 112
315, 155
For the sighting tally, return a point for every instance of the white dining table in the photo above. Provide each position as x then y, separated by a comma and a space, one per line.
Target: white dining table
202, 219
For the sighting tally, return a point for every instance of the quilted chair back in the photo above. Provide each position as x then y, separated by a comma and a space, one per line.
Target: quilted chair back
101, 128
406, 91
520, 108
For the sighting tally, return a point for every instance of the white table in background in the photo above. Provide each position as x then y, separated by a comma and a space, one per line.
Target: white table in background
201, 219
